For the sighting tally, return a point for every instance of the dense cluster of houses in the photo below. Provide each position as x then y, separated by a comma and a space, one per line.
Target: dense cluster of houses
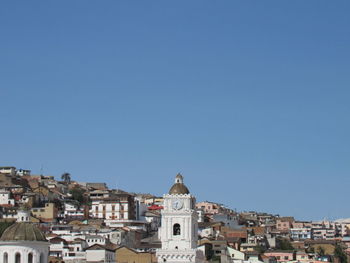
88, 222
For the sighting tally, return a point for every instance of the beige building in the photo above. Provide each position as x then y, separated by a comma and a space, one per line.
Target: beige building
10, 170
46, 214
284, 224
127, 255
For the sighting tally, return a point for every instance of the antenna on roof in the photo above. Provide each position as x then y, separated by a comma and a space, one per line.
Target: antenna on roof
41, 169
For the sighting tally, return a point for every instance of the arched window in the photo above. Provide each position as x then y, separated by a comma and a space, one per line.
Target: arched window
42, 258
30, 258
6, 258
176, 230
18, 258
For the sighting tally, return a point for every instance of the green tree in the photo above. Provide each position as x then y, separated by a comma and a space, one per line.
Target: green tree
78, 194
340, 254
284, 244
66, 178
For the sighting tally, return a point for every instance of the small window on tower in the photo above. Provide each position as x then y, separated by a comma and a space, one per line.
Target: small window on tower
176, 230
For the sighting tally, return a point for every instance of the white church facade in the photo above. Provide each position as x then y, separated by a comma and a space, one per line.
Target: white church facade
179, 226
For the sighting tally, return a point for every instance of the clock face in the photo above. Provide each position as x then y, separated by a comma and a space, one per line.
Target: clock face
177, 204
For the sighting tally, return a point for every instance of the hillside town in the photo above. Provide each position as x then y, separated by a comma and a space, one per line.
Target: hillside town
80, 222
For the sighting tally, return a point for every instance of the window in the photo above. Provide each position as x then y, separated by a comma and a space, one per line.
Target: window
42, 258
176, 230
30, 258
6, 258
18, 258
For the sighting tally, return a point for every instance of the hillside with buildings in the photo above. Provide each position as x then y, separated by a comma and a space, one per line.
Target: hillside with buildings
88, 222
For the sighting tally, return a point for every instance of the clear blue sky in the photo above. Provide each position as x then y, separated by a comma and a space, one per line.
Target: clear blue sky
249, 100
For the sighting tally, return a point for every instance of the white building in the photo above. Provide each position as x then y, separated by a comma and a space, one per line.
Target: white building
23, 242
179, 229
5, 198
300, 233
323, 233
58, 247
111, 209
72, 210
22, 172
201, 214
95, 239
206, 232
153, 218
99, 253
76, 253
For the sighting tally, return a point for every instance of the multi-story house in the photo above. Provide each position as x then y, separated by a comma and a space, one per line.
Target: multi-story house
99, 194
323, 233
301, 224
302, 256
212, 208
116, 236
76, 251
48, 213
265, 219
61, 229
342, 228
281, 256
118, 210
300, 233
322, 224
9, 170
153, 218
58, 247
6, 199
22, 172
284, 224
95, 239
71, 210
99, 253
229, 219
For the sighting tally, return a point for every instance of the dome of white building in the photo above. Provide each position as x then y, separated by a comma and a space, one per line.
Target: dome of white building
23, 242
179, 187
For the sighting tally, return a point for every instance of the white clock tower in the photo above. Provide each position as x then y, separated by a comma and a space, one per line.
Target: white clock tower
178, 231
